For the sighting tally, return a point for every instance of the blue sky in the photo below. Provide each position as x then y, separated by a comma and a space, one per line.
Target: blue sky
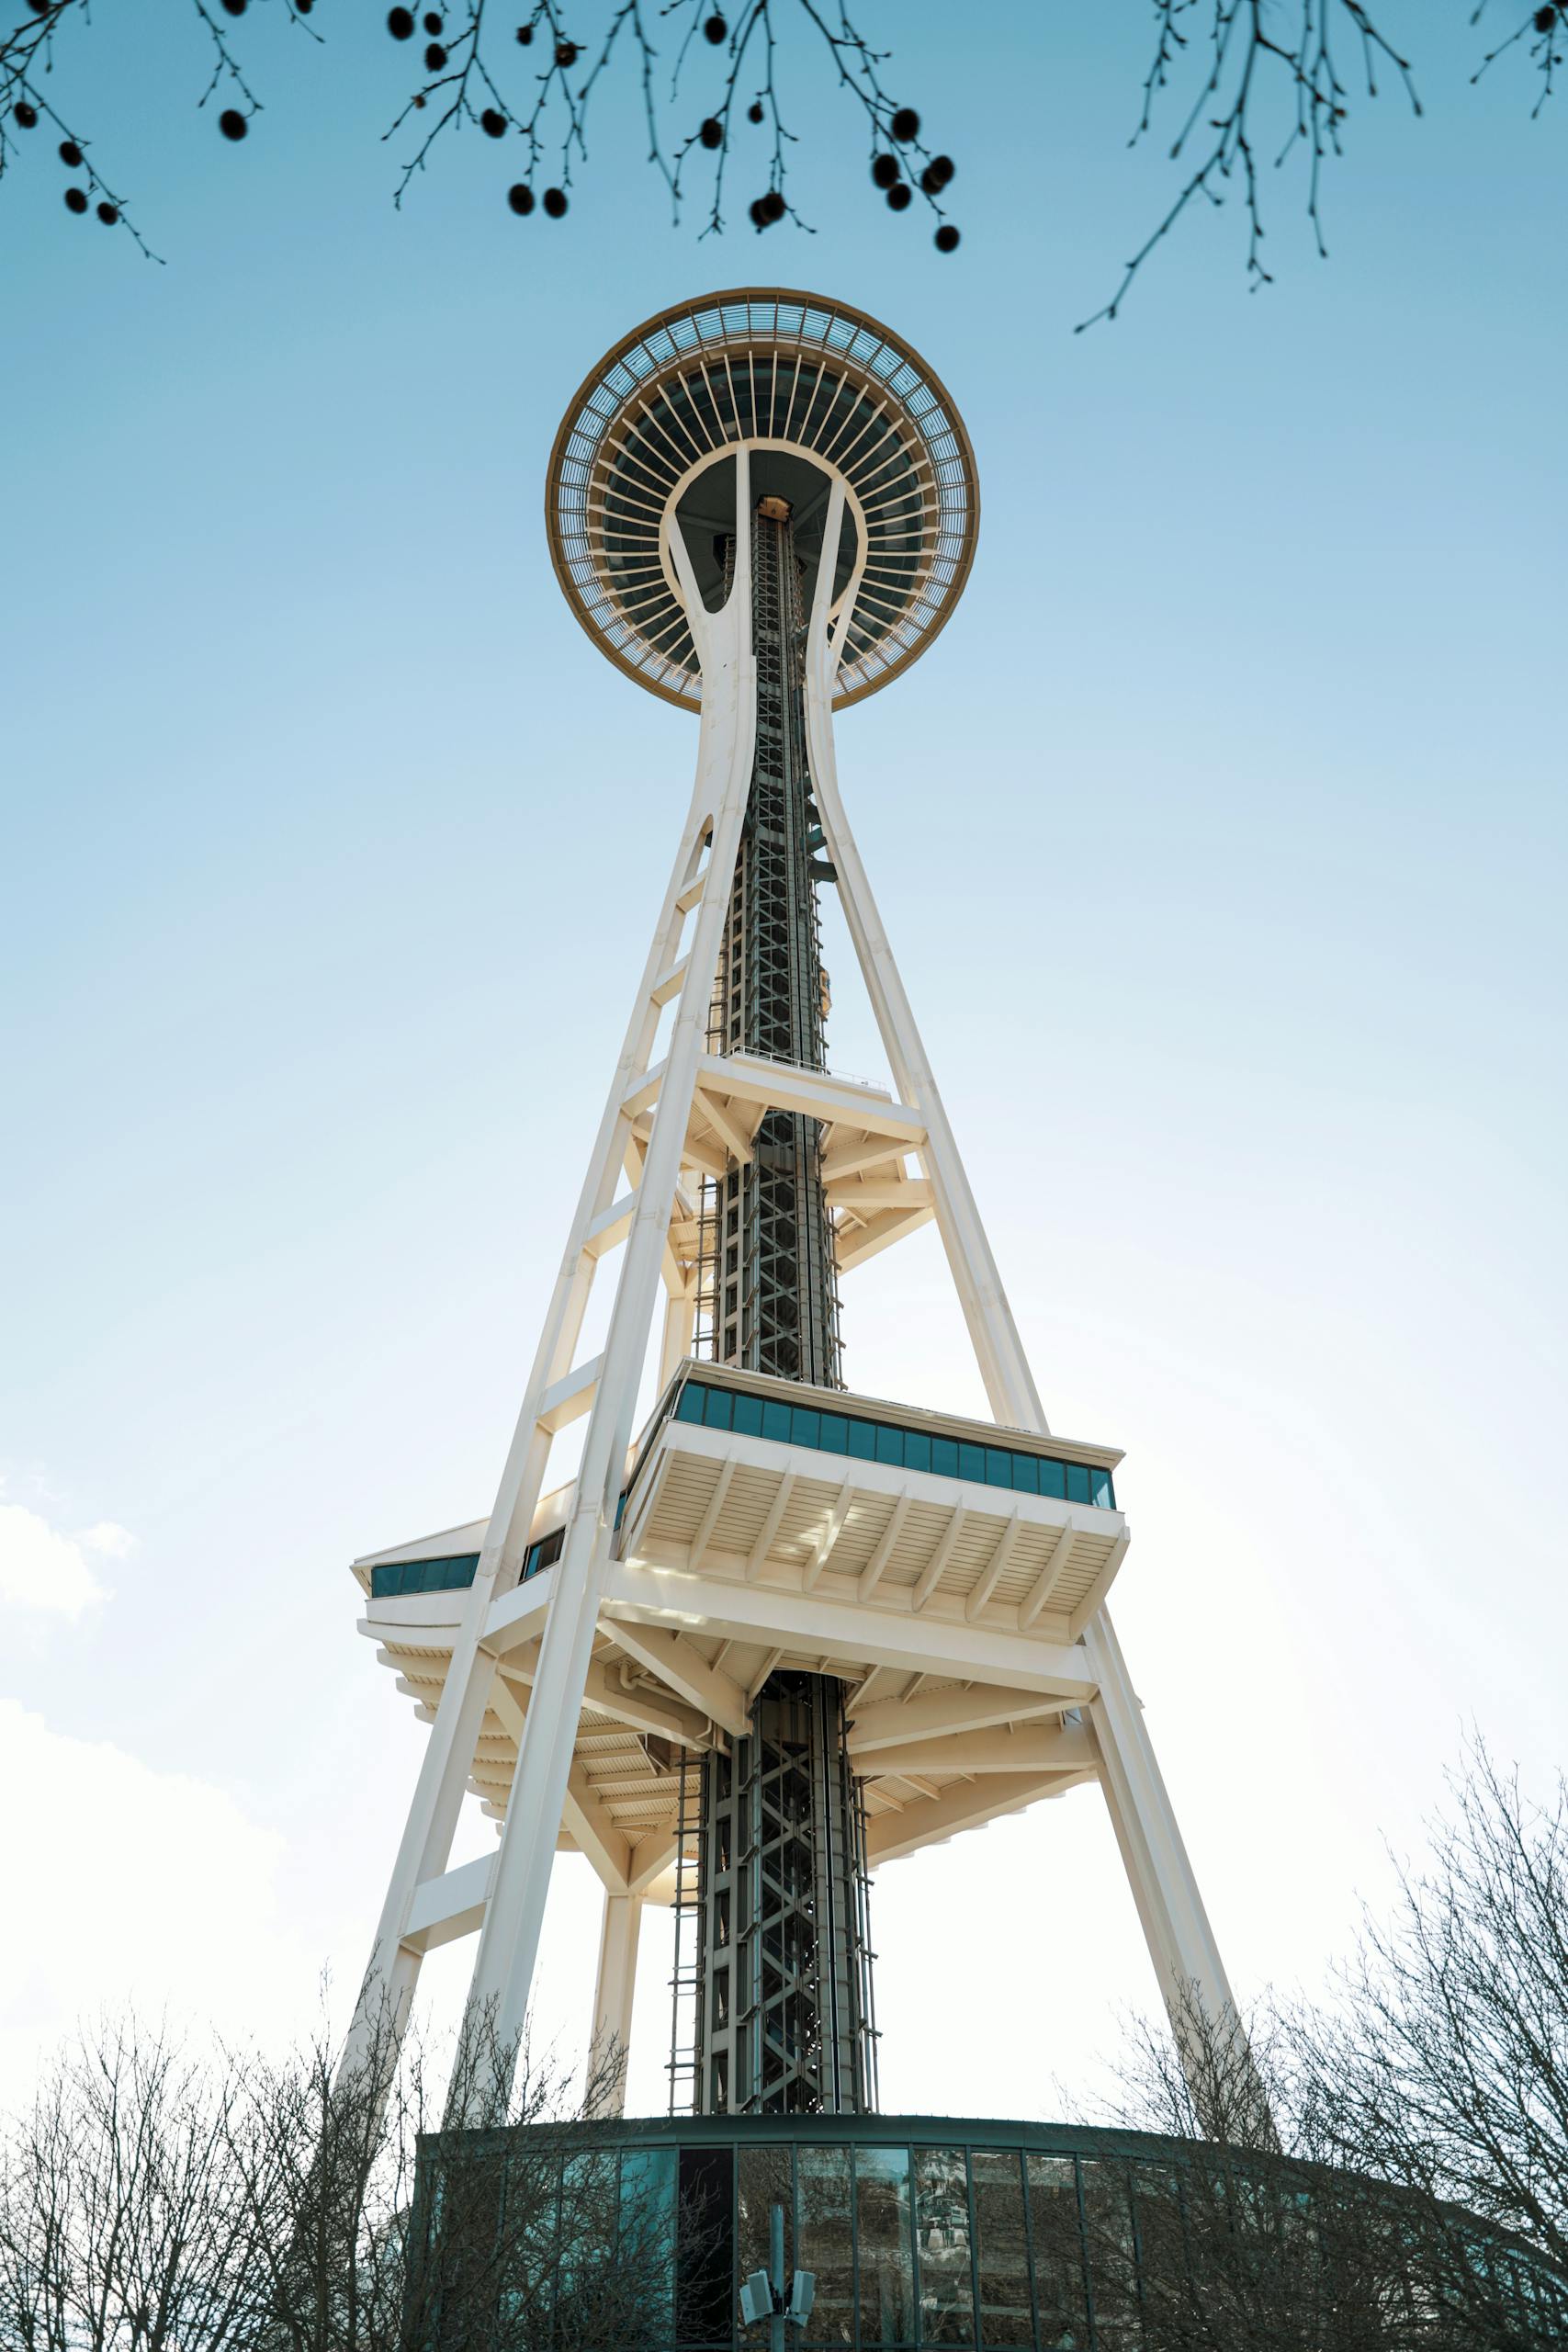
1220, 837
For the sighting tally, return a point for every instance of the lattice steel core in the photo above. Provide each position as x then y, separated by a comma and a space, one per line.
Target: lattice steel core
784, 2023
782, 2019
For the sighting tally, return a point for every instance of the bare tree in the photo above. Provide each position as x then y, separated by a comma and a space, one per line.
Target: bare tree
1443, 2067
155, 2201
1388, 2168
1248, 83
1248, 2234
122, 2223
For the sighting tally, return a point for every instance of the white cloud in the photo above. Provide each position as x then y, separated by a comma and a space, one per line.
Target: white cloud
115, 1542
136, 1887
42, 1569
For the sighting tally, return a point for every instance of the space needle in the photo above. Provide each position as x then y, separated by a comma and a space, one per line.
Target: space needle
769, 1635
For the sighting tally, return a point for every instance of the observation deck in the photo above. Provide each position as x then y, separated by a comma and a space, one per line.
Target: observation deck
766, 1525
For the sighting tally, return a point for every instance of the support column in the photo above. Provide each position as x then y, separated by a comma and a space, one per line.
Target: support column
1176, 1926
612, 1997
509, 1942
1180, 1941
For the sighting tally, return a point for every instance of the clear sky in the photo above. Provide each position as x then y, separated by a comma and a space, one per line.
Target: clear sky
1221, 838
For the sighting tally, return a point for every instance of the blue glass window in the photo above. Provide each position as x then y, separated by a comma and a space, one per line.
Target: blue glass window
398, 1578
864, 1439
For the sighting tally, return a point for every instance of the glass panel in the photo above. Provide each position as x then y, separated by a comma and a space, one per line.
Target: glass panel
1005, 2313
526, 2250
705, 2283
1112, 2273
863, 1440
688, 1404
747, 1415
889, 1445
775, 1421
944, 1456
1025, 1473
999, 1467
886, 2261
1268, 2243
916, 1450
1062, 2313
1077, 1482
826, 2244
1101, 1491
590, 2203
715, 1410
942, 2204
835, 1433
1054, 1480
763, 2182
972, 1463
806, 1427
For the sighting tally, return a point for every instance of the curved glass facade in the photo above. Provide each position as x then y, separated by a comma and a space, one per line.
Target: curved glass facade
919, 2230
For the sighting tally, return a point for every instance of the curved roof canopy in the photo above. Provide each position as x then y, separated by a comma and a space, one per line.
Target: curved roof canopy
781, 372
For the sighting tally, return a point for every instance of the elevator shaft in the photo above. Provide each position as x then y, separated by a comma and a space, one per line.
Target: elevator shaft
784, 2011
774, 1286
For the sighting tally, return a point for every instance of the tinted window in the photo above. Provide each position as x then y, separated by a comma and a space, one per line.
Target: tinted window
1057, 2242
882, 2217
1077, 1482
890, 1446
705, 2276
1054, 1480
1001, 2252
863, 1440
942, 2231
824, 2230
748, 1416
916, 1450
835, 1432
944, 1456
776, 1422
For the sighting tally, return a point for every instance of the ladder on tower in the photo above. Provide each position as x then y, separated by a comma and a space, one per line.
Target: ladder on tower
685, 1982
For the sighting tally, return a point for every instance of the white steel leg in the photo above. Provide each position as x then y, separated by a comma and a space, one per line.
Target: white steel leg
999, 1351
612, 1997
508, 1940
1176, 1926
391, 1977
1181, 1941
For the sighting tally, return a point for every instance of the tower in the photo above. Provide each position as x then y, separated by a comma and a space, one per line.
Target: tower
781, 1633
